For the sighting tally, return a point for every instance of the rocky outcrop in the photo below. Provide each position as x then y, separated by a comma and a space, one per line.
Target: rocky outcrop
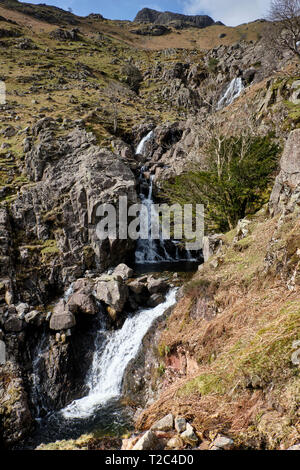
151, 30
15, 417
286, 190
147, 15
56, 214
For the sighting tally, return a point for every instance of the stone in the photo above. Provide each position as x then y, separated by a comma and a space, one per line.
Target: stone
294, 447
175, 443
180, 424
13, 324
164, 424
81, 302
242, 229
288, 179
123, 271
223, 443
136, 287
22, 308
34, 318
155, 300
149, 441
156, 285
189, 435
211, 245
2, 352
112, 293
296, 357
62, 318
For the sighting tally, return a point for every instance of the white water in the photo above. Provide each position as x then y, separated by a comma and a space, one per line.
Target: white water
111, 358
147, 249
232, 92
140, 150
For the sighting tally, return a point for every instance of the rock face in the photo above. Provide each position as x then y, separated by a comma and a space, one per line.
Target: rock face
286, 190
70, 177
147, 15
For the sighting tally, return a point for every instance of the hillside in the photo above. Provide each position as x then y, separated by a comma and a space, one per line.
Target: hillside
83, 94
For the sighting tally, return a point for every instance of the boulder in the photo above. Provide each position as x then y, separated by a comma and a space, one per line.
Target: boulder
175, 443
136, 287
164, 424
156, 285
62, 318
13, 324
81, 302
123, 271
149, 441
112, 293
189, 435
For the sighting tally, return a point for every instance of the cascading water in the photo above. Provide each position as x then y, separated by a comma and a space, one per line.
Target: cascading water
112, 356
232, 92
140, 150
151, 251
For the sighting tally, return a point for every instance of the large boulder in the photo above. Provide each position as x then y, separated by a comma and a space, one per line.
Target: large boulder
286, 190
62, 318
112, 293
83, 303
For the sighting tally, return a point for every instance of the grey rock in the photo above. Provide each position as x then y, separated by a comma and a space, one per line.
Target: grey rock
82, 302
189, 435
123, 271
22, 308
13, 324
156, 285
180, 424
211, 245
149, 441
164, 424
34, 317
113, 293
62, 318
223, 443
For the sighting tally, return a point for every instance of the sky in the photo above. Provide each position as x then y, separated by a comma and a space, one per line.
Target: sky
230, 12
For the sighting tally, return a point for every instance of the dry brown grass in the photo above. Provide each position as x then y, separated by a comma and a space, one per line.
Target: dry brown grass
245, 381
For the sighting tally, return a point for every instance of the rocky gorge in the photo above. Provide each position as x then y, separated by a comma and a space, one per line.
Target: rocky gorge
161, 356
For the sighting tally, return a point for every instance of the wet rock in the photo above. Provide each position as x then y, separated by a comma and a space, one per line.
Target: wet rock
154, 300
164, 424
136, 287
189, 435
149, 441
222, 443
180, 424
62, 318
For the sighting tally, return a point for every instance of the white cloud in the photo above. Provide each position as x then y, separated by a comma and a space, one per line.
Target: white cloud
230, 12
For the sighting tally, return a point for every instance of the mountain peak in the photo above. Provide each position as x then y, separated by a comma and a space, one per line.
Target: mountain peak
148, 15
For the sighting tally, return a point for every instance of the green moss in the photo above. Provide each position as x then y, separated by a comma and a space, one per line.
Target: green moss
204, 384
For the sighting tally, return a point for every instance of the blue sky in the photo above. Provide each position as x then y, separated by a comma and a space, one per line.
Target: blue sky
231, 12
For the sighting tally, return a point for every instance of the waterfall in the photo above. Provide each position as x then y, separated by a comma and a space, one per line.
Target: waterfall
232, 92
111, 357
149, 250
140, 150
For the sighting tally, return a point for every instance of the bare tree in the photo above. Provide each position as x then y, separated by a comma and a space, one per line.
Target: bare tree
284, 31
